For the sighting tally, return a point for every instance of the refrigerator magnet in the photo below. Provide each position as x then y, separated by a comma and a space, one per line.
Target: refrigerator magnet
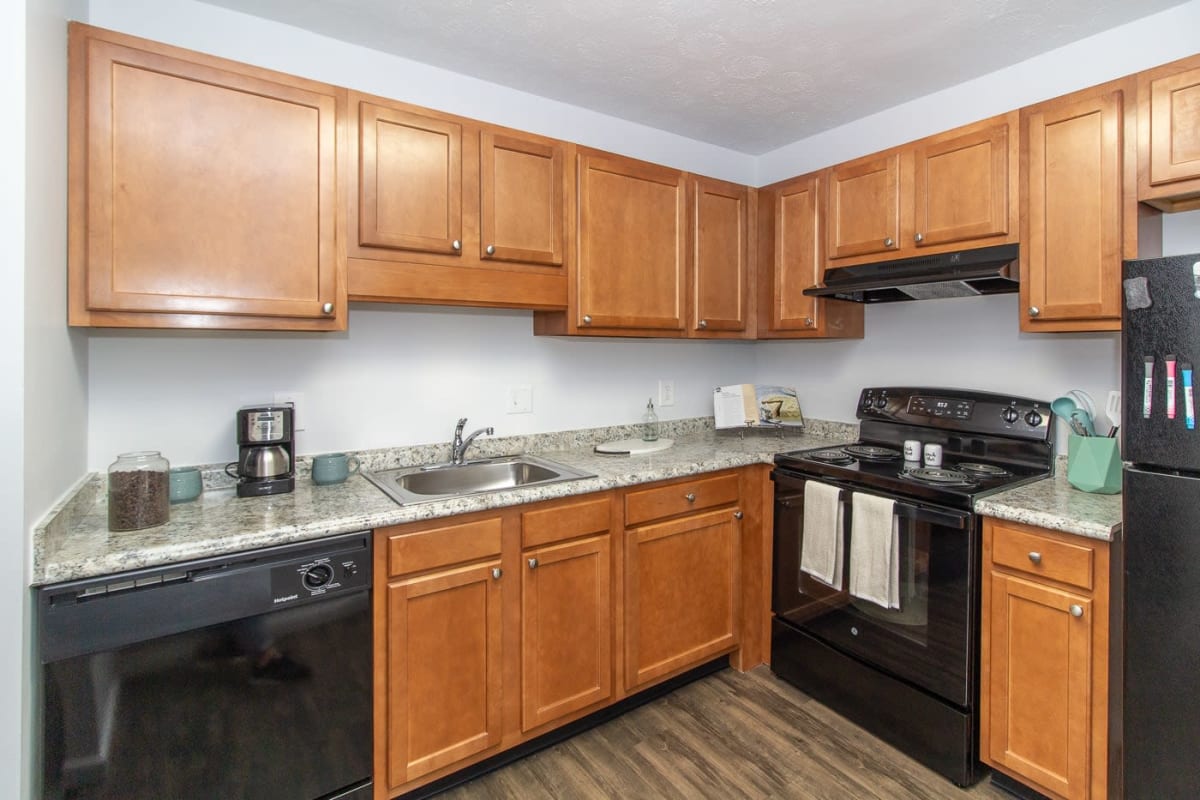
1189, 403
1148, 387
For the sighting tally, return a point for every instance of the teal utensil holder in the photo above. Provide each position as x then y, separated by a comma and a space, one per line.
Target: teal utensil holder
1094, 464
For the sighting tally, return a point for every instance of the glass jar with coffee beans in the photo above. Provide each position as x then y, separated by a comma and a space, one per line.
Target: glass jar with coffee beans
139, 491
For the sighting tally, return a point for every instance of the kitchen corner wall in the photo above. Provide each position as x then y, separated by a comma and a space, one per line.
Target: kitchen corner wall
402, 375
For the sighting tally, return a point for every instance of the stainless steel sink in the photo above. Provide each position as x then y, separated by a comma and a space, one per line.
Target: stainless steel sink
408, 485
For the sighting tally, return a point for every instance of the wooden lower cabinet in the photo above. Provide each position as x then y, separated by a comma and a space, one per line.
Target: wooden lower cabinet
566, 629
1044, 659
682, 581
494, 628
444, 668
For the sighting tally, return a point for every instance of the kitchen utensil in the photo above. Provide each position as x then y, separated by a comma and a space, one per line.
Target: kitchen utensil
264, 462
1112, 409
1085, 421
1064, 407
1084, 401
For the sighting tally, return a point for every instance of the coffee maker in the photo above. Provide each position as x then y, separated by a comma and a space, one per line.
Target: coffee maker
266, 450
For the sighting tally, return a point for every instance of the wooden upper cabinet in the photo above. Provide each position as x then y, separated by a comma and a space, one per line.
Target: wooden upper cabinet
521, 192
720, 257
864, 206
450, 211
791, 258
951, 191
961, 186
1079, 216
632, 247
1169, 135
203, 192
410, 181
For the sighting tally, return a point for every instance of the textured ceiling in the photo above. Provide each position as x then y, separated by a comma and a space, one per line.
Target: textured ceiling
750, 75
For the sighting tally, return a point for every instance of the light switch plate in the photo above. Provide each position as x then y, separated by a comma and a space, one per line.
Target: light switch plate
519, 399
666, 393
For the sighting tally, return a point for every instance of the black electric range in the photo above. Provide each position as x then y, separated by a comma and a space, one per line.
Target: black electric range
908, 674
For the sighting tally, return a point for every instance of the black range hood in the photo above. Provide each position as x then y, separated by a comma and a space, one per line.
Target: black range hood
966, 273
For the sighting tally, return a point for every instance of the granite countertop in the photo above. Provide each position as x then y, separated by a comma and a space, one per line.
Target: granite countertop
1055, 504
74, 541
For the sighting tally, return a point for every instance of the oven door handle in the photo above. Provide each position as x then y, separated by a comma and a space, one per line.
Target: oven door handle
948, 519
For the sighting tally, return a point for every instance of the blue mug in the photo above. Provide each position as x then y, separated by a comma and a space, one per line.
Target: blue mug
333, 468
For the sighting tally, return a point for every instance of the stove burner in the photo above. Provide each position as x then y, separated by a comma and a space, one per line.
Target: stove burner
869, 452
830, 457
939, 477
981, 470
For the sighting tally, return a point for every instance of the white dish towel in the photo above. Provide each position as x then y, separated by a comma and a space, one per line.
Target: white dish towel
821, 552
874, 550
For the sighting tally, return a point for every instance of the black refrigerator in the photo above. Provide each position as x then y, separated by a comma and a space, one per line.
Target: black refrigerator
1160, 703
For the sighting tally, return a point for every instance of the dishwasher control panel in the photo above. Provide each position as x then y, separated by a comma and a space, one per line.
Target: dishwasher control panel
320, 574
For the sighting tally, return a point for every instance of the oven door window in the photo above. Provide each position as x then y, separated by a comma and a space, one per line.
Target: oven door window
928, 639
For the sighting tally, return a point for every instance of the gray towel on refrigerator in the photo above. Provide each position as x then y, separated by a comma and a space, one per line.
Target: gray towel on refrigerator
874, 550
821, 549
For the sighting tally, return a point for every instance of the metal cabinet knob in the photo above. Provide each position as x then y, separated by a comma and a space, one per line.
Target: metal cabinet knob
1034, 311
888, 242
808, 322
918, 238
587, 319
703, 323
1035, 558
533, 563
738, 515
327, 308
497, 572
690, 497
490, 250
456, 245
1076, 611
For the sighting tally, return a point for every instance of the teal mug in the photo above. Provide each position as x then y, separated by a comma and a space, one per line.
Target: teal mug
333, 468
184, 484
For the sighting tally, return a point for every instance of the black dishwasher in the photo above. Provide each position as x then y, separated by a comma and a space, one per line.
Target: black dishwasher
242, 676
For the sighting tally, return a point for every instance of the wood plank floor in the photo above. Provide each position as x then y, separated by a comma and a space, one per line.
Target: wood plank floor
730, 735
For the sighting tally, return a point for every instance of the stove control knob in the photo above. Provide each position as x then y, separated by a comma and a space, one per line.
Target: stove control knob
1010, 415
880, 401
1033, 419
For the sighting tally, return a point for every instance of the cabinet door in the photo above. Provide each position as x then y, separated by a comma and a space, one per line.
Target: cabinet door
797, 255
566, 634
521, 197
1071, 225
1175, 128
632, 222
410, 181
720, 253
681, 594
961, 187
864, 206
444, 669
199, 186
1040, 691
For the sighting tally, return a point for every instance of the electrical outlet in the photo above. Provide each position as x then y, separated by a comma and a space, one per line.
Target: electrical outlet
295, 398
519, 399
666, 393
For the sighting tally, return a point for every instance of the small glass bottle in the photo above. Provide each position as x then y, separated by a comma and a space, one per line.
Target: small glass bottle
139, 491
650, 423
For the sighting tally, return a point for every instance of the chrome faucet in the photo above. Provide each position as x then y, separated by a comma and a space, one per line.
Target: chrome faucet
459, 448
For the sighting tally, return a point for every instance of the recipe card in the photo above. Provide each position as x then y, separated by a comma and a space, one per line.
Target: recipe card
756, 405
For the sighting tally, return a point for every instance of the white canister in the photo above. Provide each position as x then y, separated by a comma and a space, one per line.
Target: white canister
912, 450
933, 454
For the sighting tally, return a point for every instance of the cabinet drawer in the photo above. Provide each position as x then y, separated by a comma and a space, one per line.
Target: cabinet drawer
1036, 554
443, 546
563, 522
680, 498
